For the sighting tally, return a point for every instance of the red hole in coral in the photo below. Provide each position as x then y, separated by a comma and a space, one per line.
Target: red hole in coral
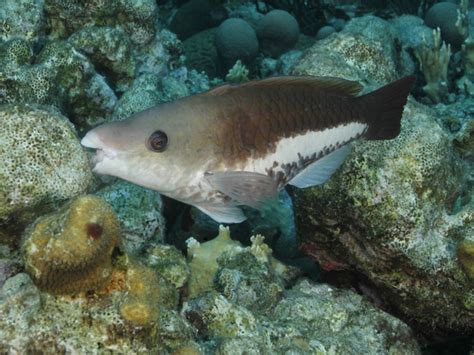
94, 230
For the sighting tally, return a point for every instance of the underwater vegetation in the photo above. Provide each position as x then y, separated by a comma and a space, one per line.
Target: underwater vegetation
379, 259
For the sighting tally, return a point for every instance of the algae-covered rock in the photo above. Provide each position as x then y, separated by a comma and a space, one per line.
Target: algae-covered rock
110, 50
141, 306
136, 17
308, 319
142, 94
42, 159
170, 264
19, 303
82, 326
21, 18
360, 52
342, 321
84, 95
139, 212
70, 251
389, 213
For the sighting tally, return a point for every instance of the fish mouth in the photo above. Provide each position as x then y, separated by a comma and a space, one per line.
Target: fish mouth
102, 153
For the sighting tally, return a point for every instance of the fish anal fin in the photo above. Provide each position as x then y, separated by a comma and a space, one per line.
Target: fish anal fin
327, 84
223, 213
322, 169
246, 188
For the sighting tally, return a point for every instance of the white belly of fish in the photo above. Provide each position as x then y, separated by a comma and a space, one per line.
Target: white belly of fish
294, 154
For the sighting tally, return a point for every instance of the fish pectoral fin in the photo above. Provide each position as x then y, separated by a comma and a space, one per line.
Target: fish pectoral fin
321, 170
223, 213
244, 187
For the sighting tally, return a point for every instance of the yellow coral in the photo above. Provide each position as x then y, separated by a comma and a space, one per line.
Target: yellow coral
141, 307
70, 251
203, 264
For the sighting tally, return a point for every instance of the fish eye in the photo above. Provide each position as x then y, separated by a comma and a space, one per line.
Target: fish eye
158, 141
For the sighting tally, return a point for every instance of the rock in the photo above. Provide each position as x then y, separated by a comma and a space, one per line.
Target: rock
19, 304
278, 32
342, 321
412, 31
42, 160
70, 251
170, 264
388, 213
236, 39
84, 95
139, 212
142, 94
110, 50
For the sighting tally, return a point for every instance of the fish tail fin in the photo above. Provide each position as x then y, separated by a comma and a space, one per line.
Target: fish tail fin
386, 107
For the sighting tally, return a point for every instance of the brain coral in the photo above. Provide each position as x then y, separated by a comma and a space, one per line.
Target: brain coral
70, 250
42, 160
445, 15
236, 39
278, 32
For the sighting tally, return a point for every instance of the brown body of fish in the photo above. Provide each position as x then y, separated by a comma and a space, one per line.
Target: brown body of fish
239, 144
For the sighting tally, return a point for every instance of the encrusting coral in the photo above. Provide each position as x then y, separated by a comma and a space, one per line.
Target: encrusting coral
141, 306
70, 251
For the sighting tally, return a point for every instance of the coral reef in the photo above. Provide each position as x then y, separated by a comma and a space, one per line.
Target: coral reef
434, 64
387, 212
307, 318
139, 212
70, 251
42, 160
444, 15
278, 32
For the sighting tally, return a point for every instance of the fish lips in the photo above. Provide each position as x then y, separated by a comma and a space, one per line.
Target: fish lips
102, 153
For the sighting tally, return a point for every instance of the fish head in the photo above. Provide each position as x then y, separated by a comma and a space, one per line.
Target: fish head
150, 149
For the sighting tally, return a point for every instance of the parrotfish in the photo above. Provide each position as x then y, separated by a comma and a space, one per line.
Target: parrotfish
240, 144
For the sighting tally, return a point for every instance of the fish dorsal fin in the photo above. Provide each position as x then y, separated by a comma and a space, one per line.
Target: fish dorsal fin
327, 84
322, 169
223, 213
244, 187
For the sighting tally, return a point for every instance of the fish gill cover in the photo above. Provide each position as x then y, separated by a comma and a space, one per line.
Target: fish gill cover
377, 258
